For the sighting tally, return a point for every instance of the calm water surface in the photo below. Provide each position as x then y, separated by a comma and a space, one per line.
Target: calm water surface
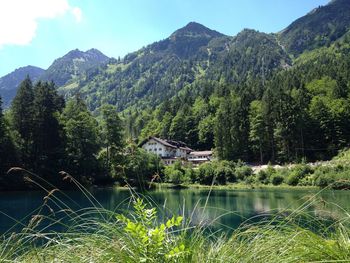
226, 208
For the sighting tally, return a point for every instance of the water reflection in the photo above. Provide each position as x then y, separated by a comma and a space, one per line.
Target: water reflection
227, 209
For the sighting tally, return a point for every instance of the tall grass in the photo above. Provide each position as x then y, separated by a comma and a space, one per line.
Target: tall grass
141, 234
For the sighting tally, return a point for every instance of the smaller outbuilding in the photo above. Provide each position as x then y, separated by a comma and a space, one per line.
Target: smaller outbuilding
199, 157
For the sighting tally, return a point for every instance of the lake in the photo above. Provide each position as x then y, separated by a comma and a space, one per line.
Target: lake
225, 209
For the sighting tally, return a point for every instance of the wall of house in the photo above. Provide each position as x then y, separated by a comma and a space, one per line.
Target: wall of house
181, 153
161, 150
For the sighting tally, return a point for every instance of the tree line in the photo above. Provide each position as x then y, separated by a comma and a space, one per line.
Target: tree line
44, 135
301, 112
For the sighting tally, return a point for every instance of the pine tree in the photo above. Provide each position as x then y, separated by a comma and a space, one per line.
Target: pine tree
112, 137
22, 120
47, 132
82, 144
8, 155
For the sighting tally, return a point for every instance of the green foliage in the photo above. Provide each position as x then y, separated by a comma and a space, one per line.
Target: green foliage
7, 148
22, 113
112, 137
177, 174
82, 145
277, 179
152, 241
298, 173
319, 28
243, 172
140, 166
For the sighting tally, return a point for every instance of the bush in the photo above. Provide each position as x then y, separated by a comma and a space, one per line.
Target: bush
176, 174
277, 179
337, 177
263, 177
222, 173
206, 173
191, 175
242, 172
298, 173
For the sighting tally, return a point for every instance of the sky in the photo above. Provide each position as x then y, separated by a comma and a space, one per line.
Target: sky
35, 32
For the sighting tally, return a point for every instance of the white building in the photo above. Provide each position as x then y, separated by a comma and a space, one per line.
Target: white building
200, 157
170, 151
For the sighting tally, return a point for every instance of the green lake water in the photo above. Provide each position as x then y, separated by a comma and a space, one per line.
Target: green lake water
224, 209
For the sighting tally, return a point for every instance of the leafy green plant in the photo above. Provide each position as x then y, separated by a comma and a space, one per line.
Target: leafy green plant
152, 241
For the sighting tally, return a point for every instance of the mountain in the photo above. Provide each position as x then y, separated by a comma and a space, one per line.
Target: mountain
73, 64
159, 71
10, 82
320, 27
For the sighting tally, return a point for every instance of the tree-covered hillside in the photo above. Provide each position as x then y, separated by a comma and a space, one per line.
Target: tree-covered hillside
72, 65
320, 27
159, 71
10, 82
63, 71
255, 96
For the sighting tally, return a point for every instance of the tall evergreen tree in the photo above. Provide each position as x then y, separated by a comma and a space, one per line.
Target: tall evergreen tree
82, 144
47, 132
112, 138
8, 156
22, 120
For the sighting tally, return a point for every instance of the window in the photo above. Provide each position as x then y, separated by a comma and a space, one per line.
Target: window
160, 149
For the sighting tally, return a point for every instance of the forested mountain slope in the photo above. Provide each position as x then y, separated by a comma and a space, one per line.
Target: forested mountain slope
157, 72
320, 27
254, 96
72, 65
9, 83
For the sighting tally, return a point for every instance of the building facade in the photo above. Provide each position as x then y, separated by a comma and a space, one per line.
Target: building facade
170, 151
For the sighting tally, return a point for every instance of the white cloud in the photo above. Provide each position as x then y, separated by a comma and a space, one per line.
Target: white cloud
76, 11
19, 18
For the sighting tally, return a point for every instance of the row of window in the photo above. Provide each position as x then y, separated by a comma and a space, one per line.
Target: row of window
198, 157
155, 149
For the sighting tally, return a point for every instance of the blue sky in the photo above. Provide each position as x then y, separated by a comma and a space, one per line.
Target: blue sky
44, 30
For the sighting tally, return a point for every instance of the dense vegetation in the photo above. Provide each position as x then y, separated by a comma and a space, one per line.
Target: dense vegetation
248, 97
10, 82
319, 28
46, 137
63, 71
302, 112
334, 174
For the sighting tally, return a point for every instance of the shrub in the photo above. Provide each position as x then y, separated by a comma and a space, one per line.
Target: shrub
176, 174
222, 173
191, 175
263, 177
206, 173
298, 173
277, 179
242, 172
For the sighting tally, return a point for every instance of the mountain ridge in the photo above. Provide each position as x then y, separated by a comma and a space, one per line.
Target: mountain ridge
9, 83
161, 69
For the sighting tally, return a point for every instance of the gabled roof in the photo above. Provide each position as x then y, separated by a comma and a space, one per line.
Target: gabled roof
169, 143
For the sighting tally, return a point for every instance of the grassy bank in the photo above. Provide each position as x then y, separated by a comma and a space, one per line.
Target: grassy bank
146, 233
237, 175
231, 186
